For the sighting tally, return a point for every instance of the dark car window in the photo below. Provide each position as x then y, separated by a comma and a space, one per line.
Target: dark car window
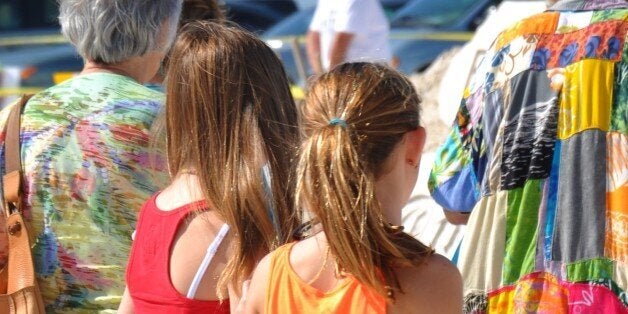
283, 7
258, 15
252, 18
28, 14
431, 13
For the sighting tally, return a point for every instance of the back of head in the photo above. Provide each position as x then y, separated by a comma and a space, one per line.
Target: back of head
112, 31
198, 10
229, 112
353, 117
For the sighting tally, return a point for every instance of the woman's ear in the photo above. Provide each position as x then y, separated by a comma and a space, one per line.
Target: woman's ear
415, 140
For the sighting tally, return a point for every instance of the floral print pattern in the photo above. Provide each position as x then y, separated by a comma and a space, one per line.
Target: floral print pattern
596, 41
87, 169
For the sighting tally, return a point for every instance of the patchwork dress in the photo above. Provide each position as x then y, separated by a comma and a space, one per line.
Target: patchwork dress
538, 154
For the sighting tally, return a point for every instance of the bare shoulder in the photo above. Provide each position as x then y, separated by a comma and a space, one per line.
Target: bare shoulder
190, 246
433, 287
256, 293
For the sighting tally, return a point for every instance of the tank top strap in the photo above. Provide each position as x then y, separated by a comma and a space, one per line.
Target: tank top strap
281, 256
209, 255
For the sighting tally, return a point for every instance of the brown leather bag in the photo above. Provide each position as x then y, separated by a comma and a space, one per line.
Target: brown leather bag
19, 292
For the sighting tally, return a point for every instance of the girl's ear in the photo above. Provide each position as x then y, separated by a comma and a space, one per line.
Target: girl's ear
415, 140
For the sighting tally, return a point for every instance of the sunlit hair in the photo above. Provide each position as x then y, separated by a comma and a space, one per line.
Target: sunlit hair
229, 111
340, 162
112, 31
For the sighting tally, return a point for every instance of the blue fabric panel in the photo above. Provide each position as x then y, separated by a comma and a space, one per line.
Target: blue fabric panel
465, 185
551, 203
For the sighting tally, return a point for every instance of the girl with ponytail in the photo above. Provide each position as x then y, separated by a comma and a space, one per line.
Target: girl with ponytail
357, 167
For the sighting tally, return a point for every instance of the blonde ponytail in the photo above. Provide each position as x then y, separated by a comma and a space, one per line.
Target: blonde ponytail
353, 117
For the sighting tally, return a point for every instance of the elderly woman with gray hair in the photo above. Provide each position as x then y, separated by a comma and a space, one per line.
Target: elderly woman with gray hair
85, 151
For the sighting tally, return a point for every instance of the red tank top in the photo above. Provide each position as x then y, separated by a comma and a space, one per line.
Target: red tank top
148, 275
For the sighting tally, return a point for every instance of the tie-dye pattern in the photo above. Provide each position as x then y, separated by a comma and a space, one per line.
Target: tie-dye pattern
88, 167
544, 175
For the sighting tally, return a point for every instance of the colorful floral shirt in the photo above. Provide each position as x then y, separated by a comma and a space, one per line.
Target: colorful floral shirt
538, 154
88, 168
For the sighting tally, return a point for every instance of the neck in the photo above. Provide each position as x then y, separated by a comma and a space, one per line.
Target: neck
126, 68
387, 193
187, 185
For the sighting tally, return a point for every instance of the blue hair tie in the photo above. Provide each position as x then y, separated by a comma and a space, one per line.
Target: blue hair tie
338, 121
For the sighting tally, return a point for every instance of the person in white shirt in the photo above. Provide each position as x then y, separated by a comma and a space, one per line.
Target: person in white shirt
346, 31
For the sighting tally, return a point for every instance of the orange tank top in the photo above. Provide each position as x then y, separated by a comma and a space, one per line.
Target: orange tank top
288, 293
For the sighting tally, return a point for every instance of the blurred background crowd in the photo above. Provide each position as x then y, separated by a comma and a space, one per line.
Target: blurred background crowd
34, 55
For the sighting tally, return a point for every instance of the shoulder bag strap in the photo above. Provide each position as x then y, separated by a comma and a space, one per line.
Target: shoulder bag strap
12, 180
20, 272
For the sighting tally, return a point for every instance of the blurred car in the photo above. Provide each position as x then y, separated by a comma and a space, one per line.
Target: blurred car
34, 55
24, 61
423, 29
420, 31
258, 15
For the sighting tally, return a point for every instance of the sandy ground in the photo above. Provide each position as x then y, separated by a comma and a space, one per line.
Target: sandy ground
428, 85
422, 217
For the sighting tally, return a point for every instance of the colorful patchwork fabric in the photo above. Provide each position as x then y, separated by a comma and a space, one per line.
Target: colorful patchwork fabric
538, 154
88, 167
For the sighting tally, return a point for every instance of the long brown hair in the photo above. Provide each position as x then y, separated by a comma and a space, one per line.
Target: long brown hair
228, 111
353, 117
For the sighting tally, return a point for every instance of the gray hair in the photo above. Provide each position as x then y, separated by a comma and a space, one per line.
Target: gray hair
112, 31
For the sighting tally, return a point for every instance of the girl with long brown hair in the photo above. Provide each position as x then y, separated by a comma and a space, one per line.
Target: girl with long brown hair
357, 167
230, 119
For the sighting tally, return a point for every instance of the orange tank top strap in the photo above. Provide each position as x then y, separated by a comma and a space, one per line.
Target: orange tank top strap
288, 293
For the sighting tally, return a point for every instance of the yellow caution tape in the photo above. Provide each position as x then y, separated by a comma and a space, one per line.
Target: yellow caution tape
59, 77
13, 91
32, 40
59, 39
297, 92
435, 36
438, 36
